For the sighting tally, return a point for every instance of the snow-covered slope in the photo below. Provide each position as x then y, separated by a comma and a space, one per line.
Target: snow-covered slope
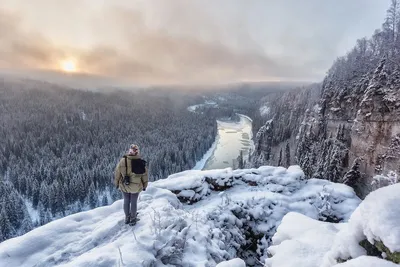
194, 218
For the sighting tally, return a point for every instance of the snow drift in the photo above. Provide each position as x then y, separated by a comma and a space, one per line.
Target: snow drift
194, 218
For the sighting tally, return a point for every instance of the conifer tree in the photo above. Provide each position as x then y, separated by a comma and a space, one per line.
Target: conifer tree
352, 177
280, 158
104, 201
287, 155
6, 228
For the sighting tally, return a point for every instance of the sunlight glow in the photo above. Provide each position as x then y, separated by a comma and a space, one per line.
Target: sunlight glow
68, 65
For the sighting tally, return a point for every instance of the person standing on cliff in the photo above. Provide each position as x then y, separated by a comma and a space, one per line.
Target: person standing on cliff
131, 177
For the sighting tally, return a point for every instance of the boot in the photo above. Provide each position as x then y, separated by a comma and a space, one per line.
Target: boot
127, 219
133, 221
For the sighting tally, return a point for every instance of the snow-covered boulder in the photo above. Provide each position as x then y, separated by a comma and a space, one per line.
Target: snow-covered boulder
301, 242
370, 238
373, 229
232, 263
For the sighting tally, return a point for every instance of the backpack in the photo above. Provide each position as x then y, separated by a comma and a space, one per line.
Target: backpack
138, 166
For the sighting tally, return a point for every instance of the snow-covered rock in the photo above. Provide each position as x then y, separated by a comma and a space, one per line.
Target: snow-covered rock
194, 218
232, 263
288, 187
370, 238
251, 203
375, 223
301, 242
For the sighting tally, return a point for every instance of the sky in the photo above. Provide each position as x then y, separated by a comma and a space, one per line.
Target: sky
185, 41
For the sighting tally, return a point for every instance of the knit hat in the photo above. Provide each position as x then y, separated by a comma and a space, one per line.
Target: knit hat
133, 150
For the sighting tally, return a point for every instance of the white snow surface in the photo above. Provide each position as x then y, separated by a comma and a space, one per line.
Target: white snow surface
232, 263
33, 213
264, 110
367, 261
206, 230
91, 238
376, 219
304, 239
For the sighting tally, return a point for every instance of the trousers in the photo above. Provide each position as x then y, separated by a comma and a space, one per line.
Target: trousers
130, 204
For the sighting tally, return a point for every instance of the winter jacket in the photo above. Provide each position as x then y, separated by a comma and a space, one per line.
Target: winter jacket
138, 182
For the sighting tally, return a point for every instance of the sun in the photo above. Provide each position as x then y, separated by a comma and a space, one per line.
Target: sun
68, 65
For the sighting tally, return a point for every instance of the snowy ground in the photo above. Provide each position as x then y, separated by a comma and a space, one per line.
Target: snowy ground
33, 213
221, 211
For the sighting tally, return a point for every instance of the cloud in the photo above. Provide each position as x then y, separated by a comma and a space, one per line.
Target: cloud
181, 41
153, 55
19, 48
187, 58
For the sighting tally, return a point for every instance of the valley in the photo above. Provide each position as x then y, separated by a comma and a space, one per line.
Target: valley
200, 133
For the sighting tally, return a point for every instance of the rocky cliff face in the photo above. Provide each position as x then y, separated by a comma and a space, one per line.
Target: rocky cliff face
348, 129
357, 130
349, 135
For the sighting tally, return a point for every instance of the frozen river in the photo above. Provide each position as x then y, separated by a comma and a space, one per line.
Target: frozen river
231, 139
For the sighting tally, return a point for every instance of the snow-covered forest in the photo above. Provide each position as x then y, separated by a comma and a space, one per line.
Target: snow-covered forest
60, 146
